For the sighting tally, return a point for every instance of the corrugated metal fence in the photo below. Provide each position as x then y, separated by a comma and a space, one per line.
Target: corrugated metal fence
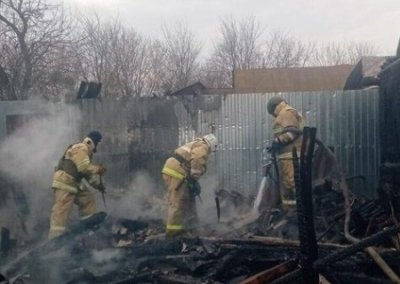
348, 121
141, 133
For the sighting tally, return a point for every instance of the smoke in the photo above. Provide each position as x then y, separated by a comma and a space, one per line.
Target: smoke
143, 198
146, 199
106, 256
29, 155
206, 207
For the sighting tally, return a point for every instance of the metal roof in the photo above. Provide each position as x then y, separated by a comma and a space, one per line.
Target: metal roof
304, 79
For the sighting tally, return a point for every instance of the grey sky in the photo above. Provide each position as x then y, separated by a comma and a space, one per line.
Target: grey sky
316, 20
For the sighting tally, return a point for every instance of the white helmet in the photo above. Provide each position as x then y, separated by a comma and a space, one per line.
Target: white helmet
212, 141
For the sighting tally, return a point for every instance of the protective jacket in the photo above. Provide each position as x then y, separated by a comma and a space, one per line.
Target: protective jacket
189, 160
74, 165
286, 116
188, 163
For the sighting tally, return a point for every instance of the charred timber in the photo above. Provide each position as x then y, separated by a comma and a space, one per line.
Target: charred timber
304, 203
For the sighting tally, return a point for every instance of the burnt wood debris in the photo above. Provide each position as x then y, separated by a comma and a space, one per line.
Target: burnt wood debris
332, 237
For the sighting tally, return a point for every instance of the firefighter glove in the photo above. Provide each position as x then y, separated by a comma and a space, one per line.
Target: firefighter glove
194, 187
276, 144
102, 170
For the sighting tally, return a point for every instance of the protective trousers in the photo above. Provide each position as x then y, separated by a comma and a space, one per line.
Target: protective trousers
182, 212
62, 208
286, 183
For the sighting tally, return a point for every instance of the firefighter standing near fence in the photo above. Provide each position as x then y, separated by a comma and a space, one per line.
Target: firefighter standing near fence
74, 166
286, 127
181, 173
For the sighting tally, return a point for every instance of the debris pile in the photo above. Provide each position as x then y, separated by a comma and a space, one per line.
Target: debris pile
92, 253
332, 237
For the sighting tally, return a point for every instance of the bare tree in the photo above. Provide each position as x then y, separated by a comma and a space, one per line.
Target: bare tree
132, 62
337, 53
331, 53
356, 50
213, 76
95, 52
284, 51
60, 80
155, 80
182, 60
37, 30
7, 62
238, 48
126, 62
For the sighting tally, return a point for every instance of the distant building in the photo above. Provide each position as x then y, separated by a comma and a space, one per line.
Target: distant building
277, 80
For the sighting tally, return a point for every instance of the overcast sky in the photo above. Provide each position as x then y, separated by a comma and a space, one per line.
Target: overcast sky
377, 21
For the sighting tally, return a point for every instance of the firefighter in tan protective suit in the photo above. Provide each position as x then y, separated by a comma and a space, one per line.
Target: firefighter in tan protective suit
181, 173
75, 165
286, 125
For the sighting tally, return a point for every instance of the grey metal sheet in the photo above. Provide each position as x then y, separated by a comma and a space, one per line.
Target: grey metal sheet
346, 120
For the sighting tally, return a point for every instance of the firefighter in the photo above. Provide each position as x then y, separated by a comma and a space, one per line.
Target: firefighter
74, 166
181, 173
286, 127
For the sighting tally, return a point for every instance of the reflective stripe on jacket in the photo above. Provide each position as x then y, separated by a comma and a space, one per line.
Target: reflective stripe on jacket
175, 227
172, 173
288, 155
80, 155
288, 202
196, 154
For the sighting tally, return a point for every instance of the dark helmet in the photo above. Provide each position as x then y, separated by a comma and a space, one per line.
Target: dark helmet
273, 103
95, 136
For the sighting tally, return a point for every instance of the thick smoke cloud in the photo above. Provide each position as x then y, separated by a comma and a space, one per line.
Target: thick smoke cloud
143, 198
30, 154
28, 157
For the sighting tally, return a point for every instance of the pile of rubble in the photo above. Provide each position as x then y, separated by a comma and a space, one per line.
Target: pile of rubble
106, 250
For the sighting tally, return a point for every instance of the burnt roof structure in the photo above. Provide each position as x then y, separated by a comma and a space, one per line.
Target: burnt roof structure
365, 73
193, 89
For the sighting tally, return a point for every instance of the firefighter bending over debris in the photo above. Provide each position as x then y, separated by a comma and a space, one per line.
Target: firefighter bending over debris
75, 165
181, 173
286, 126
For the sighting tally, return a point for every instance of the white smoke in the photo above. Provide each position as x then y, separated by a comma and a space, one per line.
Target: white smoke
146, 199
29, 156
206, 207
106, 256
142, 199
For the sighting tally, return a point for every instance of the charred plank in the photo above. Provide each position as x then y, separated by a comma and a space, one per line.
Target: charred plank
270, 274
